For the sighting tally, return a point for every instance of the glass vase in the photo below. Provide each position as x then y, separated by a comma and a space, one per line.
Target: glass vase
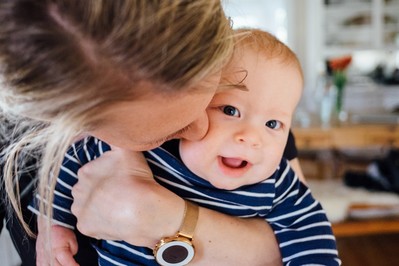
340, 83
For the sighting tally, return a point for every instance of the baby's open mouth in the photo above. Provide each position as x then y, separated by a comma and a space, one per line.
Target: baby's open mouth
233, 167
234, 162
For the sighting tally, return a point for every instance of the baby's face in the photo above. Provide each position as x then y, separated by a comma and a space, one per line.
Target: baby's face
248, 126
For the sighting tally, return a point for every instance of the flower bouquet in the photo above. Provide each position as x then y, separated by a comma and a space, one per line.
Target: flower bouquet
338, 66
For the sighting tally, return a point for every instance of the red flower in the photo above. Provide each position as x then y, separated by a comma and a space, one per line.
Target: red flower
340, 63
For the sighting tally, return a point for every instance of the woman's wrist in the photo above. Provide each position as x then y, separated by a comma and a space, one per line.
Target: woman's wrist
178, 248
162, 214
170, 213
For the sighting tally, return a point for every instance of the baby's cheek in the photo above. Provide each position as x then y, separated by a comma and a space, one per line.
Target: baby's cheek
191, 155
271, 163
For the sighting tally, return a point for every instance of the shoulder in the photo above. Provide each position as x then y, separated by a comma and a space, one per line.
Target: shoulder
285, 175
87, 149
290, 151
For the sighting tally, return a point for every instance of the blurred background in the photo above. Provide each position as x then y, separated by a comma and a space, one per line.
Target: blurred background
320, 30
349, 153
349, 51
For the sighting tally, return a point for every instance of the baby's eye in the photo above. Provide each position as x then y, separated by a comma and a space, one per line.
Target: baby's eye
230, 110
273, 124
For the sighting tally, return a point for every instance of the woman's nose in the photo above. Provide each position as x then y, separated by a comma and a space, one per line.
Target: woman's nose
249, 136
197, 129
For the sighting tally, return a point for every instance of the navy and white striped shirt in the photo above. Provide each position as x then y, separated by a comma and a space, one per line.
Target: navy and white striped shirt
297, 219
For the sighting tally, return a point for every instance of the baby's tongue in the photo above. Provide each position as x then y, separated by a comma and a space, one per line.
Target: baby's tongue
232, 162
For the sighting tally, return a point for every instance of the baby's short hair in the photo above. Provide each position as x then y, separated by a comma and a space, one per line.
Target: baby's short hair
265, 44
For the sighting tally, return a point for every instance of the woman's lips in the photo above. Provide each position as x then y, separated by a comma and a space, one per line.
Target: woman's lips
234, 167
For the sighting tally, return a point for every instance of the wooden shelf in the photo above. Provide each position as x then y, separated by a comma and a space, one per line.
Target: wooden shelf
347, 136
358, 136
366, 227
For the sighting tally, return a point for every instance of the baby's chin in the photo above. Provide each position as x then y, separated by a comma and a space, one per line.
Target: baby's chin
232, 183
227, 185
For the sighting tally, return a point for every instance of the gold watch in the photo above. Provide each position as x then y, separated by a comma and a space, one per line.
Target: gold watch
178, 250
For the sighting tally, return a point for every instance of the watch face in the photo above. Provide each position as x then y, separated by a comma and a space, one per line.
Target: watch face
175, 253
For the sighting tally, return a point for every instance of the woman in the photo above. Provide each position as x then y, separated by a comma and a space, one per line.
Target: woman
133, 73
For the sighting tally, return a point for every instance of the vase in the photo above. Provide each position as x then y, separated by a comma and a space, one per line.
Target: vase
327, 106
340, 83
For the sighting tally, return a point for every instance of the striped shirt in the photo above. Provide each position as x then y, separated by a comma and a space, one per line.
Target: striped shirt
297, 219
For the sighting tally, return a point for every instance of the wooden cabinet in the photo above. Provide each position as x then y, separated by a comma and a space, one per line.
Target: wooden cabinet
383, 137
319, 141
312, 138
347, 136
323, 152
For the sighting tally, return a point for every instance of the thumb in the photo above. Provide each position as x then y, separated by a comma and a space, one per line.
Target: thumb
73, 246
65, 257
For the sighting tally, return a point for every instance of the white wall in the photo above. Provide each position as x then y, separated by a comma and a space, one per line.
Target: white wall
306, 31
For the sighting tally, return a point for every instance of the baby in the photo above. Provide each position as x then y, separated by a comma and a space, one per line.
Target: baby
237, 168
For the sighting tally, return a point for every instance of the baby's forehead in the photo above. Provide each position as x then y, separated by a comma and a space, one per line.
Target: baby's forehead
265, 45
248, 62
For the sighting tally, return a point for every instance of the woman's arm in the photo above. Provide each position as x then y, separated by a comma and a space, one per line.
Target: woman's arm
129, 205
232, 241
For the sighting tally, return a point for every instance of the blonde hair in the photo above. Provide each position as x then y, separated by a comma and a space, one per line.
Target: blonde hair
266, 44
63, 61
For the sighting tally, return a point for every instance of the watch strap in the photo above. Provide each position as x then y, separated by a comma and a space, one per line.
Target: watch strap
178, 250
190, 219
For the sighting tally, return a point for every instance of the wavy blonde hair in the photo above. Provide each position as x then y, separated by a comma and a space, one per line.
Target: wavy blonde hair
63, 61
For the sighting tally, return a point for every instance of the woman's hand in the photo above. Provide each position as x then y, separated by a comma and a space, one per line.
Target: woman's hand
116, 198
57, 250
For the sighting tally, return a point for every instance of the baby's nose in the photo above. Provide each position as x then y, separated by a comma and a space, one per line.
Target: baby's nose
251, 137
